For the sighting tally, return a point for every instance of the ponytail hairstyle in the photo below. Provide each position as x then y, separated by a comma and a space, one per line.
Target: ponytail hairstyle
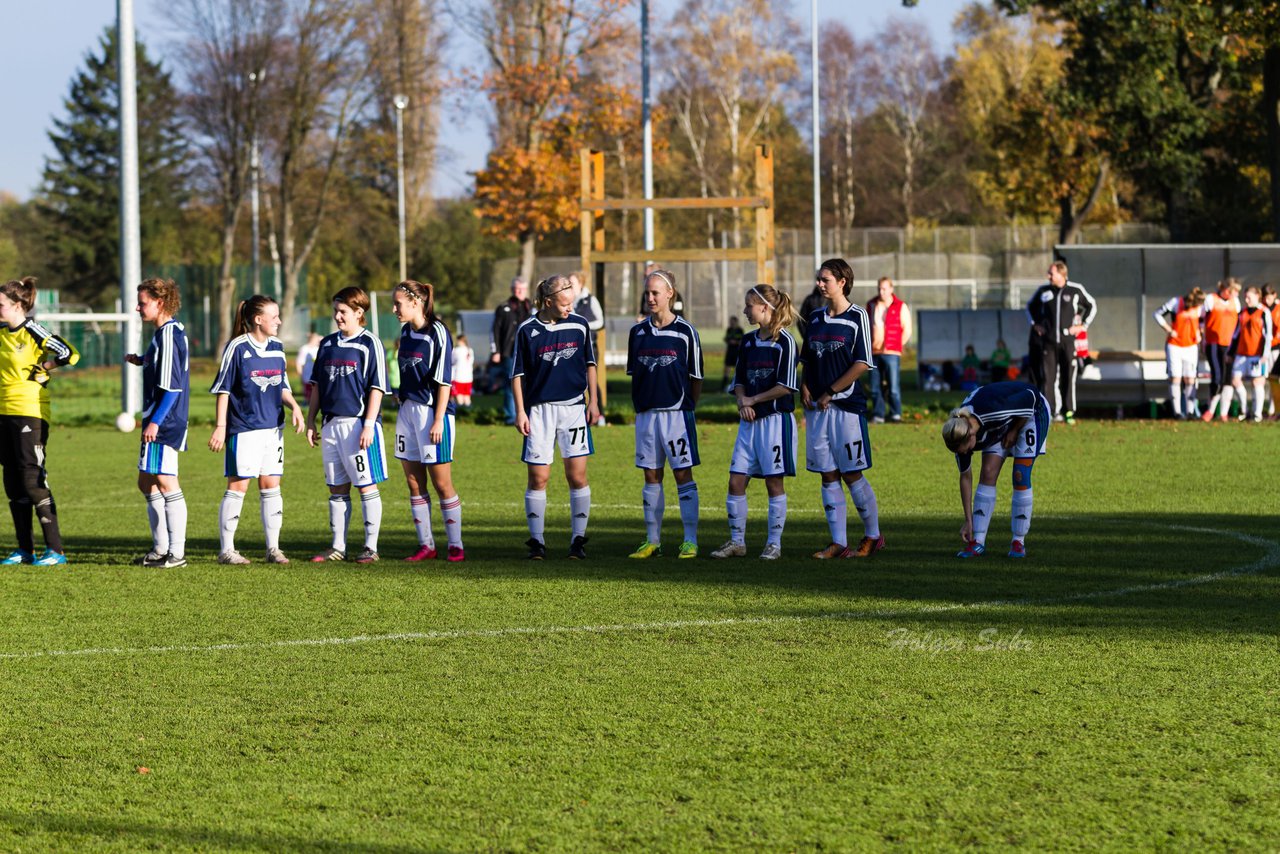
549, 287
424, 293
840, 269
958, 428
1194, 298
247, 311
165, 292
21, 291
356, 299
783, 314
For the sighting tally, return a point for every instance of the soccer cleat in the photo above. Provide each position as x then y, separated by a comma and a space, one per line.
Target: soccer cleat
537, 549
646, 550
973, 548
151, 555
688, 550
771, 551
1207, 417
167, 561
866, 547
233, 558
1069, 416
424, 552
276, 556
367, 555
578, 548
832, 551
329, 554
731, 549
1017, 549
19, 556
456, 554
50, 558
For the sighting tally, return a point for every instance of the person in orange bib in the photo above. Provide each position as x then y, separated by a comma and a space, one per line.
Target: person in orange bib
1221, 312
1180, 317
1272, 304
1252, 343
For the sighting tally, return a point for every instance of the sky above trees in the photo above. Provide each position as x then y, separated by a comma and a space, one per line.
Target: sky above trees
47, 43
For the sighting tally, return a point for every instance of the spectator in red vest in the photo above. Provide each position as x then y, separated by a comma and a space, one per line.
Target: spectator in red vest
890, 332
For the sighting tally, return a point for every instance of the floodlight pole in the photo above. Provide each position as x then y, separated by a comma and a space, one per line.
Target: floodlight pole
130, 228
646, 110
255, 77
817, 139
401, 101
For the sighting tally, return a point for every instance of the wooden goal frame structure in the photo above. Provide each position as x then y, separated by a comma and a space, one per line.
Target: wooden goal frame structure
593, 205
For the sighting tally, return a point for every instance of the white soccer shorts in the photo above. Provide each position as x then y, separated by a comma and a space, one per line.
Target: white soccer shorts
413, 435
155, 458
836, 440
344, 462
254, 453
666, 436
1248, 366
549, 425
1182, 361
765, 447
1032, 438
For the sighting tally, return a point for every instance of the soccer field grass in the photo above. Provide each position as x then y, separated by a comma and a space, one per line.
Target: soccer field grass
1116, 689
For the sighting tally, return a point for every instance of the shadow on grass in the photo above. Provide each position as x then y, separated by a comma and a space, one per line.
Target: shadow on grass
143, 835
1134, 570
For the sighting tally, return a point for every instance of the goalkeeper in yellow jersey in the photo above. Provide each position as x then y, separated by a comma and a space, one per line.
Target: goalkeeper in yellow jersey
28, 352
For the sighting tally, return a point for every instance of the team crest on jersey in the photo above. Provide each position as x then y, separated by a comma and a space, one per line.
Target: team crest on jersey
335, 371
655, 362
824, 347
411, 362
555, 357
264, 380
759, 375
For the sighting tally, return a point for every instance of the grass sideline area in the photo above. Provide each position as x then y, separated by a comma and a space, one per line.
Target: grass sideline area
1117, 689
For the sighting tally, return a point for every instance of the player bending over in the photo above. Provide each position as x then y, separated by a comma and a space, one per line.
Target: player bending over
1001, 420
664, 361
553, 378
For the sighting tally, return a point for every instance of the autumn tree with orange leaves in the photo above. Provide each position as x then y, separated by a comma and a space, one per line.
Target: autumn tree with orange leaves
549, 98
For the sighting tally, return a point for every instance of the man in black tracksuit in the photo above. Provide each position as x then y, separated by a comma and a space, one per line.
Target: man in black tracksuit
1058, 311
502, 341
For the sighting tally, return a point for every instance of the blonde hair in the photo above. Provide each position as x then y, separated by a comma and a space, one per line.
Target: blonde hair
549, 287
957, 430
784, 314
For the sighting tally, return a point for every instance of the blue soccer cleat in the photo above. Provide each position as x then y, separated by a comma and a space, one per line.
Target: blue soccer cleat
50, 558
18, 556
973, 548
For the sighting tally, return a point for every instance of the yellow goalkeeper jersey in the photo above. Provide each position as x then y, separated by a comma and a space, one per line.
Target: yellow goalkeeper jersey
23, 379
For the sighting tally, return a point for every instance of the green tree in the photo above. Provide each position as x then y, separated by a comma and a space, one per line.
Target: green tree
79, 198
452, 251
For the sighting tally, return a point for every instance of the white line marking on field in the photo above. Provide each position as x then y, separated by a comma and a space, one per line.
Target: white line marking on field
1269, 560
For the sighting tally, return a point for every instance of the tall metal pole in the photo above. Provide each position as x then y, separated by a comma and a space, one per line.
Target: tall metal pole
646, 117
130, 228
817, 139
255, 77
401, 101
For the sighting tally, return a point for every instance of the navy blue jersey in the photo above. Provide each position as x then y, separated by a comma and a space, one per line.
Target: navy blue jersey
661, 364
996, 407
834, 345
254, 377
763, 364
346, 369
165, 368
552, 359
426, 361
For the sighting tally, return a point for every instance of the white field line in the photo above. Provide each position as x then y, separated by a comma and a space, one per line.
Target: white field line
1269, 560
